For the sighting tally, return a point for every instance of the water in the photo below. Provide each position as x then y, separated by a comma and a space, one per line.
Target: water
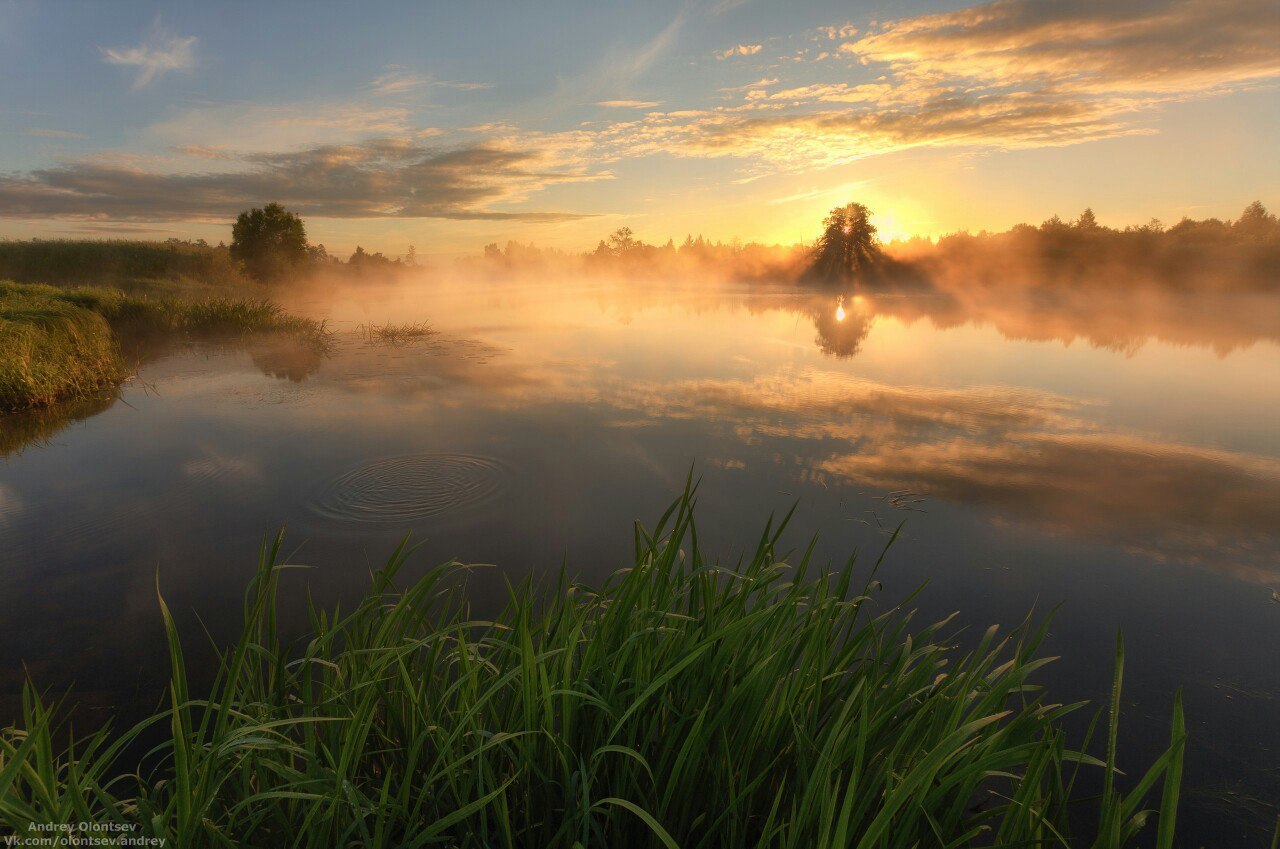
1116, 455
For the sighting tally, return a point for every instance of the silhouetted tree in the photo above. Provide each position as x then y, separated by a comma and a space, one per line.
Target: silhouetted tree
622, 241
362, 260
271, 242
1255, 220
319, 255
848, 247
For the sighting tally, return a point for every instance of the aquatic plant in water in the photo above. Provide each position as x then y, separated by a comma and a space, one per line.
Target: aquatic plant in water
682, 703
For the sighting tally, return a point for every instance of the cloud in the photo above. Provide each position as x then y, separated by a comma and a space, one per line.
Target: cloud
160, 53
1137, 46
41, 133
740, 50
845, 30
380, 178
264, 127
629, 104
461, 85
399, 81
1004, 75
795, 141
829, 93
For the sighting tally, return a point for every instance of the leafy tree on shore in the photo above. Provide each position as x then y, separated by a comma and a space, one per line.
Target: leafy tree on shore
271, 242
848, 246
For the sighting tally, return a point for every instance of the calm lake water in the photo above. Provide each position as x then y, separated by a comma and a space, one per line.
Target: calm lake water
1118, 458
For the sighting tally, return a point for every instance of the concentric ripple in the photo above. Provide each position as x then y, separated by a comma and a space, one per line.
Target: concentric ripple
412, 488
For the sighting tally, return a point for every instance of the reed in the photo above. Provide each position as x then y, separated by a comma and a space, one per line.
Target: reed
680, 704
396, 334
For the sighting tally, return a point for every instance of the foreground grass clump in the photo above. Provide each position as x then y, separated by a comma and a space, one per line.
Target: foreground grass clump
65, 343
680, 705
52, 348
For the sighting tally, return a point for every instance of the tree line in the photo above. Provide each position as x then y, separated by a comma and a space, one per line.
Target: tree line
271, 243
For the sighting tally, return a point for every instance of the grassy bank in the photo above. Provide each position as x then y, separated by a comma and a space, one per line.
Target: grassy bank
680, 704
66, 343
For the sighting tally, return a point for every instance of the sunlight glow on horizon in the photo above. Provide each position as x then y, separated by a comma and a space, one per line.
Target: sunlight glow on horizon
726, 123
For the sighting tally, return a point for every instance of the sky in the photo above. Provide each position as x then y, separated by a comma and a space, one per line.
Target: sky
451, 125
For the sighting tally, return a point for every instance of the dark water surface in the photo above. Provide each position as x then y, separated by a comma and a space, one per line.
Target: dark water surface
1121, 459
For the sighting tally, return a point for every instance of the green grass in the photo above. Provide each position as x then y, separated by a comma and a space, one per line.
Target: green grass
51, 348
58, 343
119, 263
681, 704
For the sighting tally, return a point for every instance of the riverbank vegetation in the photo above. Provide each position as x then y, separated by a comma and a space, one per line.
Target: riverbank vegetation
681, 704
1206, 255
174, 267
65, 343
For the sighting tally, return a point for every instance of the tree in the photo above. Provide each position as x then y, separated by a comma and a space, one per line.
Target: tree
1255, 220
271, 242
848, 246
622, 241
1087, 221
362, 260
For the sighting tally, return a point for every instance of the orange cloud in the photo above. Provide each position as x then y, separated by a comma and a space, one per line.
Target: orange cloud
1008, 74
740, 50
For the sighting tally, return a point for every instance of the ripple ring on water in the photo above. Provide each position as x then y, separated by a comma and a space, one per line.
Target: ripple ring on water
411, 488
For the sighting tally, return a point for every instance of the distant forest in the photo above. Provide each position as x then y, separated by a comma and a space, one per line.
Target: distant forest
1239, 253
1201, 255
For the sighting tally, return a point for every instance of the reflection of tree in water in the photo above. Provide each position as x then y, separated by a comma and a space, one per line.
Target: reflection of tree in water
287, 358
841, 327
19, 430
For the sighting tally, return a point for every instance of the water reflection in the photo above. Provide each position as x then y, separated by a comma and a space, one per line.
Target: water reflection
1023, 455
841, 331
537, 421
283, 357
27, 428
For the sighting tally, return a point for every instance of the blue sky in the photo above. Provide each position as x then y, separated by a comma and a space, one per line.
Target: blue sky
451, 125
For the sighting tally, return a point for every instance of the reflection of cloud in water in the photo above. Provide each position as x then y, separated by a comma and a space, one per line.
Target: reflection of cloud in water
1027, 454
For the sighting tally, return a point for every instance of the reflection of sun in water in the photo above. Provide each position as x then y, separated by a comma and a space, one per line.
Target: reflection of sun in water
840, 310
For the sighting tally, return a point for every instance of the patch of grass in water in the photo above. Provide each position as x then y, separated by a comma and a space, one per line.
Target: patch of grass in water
396, 334
63, 343
681, 704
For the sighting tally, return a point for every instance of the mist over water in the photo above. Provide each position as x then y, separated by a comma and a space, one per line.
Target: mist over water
1112, 451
